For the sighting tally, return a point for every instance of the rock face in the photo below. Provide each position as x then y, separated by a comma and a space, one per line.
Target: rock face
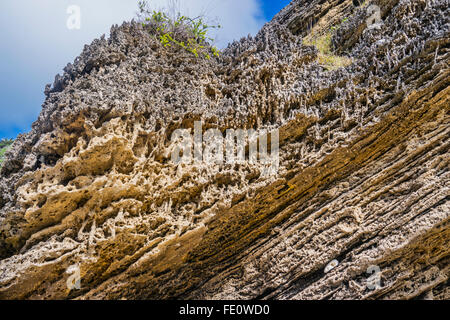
363, 176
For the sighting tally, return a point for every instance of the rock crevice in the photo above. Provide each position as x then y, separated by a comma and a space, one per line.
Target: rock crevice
363, 176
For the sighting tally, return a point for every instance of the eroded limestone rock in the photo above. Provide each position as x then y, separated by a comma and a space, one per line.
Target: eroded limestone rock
363, 175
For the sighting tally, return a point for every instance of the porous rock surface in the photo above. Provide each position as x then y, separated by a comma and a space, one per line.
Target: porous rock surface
363, 177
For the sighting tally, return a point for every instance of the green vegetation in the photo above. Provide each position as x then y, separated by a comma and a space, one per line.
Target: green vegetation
334, 28
324, 45
191, 34
4, 146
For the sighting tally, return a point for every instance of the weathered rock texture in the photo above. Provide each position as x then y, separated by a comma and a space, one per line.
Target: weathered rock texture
364, 166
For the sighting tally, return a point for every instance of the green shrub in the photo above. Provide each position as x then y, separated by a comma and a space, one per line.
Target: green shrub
4, 146
326, 56
5, 142
191, 34
323, 43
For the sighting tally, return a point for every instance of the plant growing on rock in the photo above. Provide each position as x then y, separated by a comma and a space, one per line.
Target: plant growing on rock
191, 34
4, 146
323, 43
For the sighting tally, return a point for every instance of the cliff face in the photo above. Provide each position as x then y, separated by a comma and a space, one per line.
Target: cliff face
363, 177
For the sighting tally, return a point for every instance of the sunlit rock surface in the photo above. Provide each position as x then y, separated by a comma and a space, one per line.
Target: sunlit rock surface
363, 176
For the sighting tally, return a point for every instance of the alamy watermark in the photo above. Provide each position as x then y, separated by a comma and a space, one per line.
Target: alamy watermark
374, 19
237, 147
374, 280
74, 281
74, 19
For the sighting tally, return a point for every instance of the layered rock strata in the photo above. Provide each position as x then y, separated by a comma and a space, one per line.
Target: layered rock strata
363, 177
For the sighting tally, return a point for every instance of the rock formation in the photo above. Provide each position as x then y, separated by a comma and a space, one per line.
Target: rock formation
363, 180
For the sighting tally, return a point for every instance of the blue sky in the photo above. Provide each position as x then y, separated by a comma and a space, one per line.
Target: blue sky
36, 43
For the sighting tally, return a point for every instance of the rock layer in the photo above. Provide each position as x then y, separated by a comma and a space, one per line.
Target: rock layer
363, 175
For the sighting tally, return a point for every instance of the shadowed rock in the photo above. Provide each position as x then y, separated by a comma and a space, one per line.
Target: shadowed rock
363, 177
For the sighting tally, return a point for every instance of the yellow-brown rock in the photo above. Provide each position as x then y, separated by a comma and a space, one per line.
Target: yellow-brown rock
363, 178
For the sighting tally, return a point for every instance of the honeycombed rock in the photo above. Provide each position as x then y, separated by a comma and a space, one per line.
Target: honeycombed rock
363, 176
